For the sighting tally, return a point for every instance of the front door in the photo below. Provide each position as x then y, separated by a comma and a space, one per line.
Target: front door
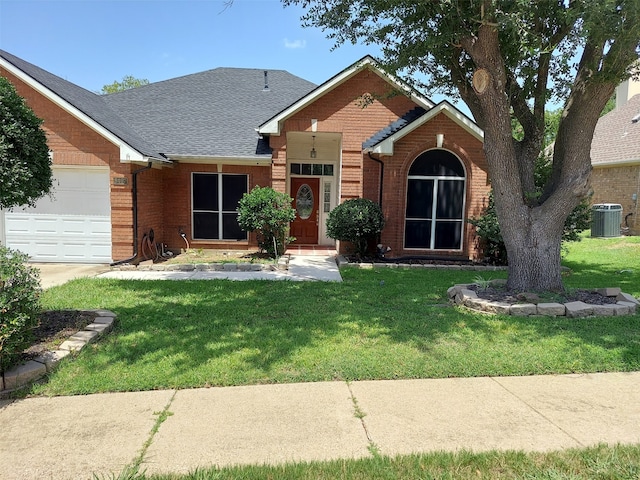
305, 193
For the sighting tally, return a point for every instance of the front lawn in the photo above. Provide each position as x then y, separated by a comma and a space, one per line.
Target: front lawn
377, 324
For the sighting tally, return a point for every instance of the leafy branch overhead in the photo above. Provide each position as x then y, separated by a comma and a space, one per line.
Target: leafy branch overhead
506, 59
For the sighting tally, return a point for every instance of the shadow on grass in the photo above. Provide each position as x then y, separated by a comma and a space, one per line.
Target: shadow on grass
378, 324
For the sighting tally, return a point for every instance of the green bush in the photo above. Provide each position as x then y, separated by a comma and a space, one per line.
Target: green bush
19, 305
357, 220
267, 212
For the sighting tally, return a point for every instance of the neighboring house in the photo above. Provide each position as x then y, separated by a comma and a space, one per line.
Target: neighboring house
615, 156
176, 156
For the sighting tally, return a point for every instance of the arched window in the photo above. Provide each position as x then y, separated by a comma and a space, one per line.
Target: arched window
434, 218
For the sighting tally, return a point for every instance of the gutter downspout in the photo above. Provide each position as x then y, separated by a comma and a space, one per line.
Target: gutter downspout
381, 176
377, 160
134, 191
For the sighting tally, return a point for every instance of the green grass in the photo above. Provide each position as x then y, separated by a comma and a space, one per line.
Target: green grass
621, 462
605, 262
377, 324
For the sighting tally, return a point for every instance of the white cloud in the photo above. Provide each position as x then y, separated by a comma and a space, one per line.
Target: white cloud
295, 43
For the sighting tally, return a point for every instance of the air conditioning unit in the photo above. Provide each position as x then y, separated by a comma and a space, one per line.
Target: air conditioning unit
606, 219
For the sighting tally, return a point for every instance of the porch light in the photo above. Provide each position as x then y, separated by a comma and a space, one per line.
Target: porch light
313, 152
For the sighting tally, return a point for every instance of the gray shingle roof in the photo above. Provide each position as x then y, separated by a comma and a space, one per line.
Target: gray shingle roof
394, 127
617, 136
213, 113
87, 102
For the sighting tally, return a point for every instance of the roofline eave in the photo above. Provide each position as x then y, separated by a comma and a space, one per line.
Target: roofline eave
258, 160
616, 163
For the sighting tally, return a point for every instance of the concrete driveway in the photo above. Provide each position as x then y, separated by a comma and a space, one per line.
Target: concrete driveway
53, 274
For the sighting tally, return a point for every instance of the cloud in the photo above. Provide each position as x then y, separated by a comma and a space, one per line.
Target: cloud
295, 43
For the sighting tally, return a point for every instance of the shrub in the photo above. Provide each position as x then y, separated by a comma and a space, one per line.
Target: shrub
357, 221
267, 212
19, 305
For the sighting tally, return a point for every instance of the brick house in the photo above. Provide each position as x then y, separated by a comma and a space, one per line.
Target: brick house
176, 156
615, 156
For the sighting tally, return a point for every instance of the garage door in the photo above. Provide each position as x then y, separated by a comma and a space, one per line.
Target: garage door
72, 226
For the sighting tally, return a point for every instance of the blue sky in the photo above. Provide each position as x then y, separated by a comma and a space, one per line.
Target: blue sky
94, 42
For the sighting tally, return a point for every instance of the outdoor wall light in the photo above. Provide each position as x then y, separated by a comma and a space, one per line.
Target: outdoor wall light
439, 140
313, 152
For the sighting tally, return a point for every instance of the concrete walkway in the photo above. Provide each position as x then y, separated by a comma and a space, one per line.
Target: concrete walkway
74, 437
301, 268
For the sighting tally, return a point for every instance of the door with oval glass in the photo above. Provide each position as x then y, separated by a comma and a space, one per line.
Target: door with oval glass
305, 200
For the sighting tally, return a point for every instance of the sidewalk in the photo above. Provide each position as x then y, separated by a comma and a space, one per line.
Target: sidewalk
73, 437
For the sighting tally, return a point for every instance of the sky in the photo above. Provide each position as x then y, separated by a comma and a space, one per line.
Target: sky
95, 42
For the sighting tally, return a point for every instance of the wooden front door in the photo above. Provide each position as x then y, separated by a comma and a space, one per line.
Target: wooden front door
305, 193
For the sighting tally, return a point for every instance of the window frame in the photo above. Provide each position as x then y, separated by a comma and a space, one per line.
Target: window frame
220, 212
433, 218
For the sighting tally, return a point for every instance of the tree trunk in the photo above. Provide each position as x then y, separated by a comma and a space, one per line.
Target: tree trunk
533, 250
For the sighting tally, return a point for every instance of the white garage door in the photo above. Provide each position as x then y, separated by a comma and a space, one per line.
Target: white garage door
73, 226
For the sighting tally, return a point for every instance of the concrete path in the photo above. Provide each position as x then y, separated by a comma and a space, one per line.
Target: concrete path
73, 437
301, 268
54, 274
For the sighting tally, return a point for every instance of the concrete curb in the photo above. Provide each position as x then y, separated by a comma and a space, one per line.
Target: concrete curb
33, 370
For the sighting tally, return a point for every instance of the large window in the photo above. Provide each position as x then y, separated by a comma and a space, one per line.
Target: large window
434, 217
215, 198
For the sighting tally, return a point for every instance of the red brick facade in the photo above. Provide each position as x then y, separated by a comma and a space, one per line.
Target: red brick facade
164, 193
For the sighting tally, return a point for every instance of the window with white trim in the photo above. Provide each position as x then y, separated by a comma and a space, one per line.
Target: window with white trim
434, 217
215, 198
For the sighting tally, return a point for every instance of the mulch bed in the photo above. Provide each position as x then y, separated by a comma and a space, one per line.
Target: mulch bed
56, 326
502, 295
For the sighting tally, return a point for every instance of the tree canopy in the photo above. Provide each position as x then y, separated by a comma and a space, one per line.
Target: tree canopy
127, 82
25, 166
506, 59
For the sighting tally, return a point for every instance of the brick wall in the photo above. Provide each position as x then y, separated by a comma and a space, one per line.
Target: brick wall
456, 140
617, 185
340, 111
176, 198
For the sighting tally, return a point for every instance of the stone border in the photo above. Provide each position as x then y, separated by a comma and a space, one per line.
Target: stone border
283, 264
33, 370
342, 261
625, 305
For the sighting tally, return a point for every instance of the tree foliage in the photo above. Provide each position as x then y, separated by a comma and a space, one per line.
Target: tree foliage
267, 212
506, 59
127, 82
25, 166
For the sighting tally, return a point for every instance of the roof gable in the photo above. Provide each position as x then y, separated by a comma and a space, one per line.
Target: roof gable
616, 140
86, 106
274, 124
383, 141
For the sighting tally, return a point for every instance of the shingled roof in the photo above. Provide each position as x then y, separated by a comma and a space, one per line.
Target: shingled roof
617, 136
209, 114
212, 114
394, 127
89, 103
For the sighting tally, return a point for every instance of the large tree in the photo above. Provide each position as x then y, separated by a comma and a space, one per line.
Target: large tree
128, 81
25, 166
508, 58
